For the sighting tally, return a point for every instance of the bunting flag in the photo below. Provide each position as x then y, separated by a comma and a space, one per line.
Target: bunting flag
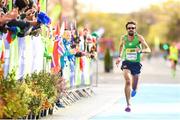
58, 48
61, 49
2, 56
1, 51
9, 38
56, 56
57, 30
12, 33
81, 65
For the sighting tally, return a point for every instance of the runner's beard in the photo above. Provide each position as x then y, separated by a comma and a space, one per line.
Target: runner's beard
130, 33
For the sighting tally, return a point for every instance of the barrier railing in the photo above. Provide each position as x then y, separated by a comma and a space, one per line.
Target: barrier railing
31, 83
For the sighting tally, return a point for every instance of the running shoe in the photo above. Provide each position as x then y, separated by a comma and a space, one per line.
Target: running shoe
133, 93
128, 109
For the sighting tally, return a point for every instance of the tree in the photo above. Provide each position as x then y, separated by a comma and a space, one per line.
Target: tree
107, 61
174, 29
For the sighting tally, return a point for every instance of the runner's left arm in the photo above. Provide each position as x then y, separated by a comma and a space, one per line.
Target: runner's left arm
145, 46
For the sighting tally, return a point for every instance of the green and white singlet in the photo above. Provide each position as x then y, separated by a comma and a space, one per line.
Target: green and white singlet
129, 51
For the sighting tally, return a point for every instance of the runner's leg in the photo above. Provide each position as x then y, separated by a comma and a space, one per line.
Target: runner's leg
135, 82
134, 85
127, 89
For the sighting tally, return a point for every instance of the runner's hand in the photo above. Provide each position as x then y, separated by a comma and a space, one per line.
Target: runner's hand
138, 50
118, 60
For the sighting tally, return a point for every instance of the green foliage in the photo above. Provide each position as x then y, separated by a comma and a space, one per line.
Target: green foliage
36, 92
174, 30
43, 86
158, 21
14, 97
113, 24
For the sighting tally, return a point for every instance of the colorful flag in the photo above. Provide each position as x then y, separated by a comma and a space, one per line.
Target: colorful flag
9, 37
1, 51
61, 49
55, 55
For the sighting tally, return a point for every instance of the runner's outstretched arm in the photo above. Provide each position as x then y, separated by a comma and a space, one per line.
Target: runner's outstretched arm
145, 46
120, 50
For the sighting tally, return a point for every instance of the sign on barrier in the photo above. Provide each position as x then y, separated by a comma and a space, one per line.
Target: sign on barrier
77, 74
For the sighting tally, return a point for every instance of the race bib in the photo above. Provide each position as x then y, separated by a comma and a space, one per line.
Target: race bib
131, 54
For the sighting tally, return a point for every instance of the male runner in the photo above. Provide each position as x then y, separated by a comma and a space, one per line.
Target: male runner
131, 46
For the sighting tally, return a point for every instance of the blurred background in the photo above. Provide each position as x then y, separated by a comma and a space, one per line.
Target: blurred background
157, 21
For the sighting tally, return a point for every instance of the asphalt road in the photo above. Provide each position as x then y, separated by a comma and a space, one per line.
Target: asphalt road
109, 102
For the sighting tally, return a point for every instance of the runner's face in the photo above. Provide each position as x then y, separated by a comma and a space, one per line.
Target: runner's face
131, 28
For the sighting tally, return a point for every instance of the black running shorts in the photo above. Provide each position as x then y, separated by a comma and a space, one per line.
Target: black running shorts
134, 67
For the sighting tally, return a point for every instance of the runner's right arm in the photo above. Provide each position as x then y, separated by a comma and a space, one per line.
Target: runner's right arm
120, 50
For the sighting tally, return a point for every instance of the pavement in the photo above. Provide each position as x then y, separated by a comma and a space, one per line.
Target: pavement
109, 92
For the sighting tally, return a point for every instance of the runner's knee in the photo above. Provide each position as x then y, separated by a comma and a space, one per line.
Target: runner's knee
128, 82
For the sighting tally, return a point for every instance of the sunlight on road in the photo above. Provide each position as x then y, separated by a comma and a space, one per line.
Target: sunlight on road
153, 102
